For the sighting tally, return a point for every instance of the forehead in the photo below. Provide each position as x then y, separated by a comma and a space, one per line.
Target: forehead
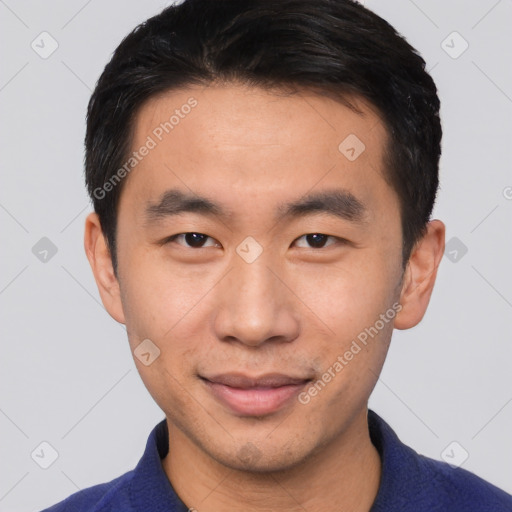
256, 142
233, 114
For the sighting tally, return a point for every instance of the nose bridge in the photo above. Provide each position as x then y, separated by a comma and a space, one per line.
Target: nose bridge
254, 285
254, 306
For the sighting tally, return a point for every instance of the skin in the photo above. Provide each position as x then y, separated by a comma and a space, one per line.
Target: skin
293, 310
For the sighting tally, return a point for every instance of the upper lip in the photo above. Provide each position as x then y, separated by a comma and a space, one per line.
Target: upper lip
268, 380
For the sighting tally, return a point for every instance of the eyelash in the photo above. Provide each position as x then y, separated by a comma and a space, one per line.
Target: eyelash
174, 237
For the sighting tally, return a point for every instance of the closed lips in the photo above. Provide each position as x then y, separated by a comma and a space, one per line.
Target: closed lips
271, 380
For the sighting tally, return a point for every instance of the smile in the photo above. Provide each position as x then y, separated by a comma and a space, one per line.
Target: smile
254, 396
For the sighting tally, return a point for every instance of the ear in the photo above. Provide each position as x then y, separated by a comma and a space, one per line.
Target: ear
98, 254
420, 276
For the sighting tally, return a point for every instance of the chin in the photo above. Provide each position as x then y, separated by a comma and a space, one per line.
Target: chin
271, 458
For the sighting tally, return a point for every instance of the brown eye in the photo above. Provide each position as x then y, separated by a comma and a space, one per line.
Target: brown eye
192, 240
316, 240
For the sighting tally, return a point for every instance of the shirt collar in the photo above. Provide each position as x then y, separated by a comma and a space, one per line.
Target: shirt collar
150, 484
150, 488
404, 473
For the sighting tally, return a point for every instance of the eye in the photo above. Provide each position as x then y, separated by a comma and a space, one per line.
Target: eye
192, 240
318, 240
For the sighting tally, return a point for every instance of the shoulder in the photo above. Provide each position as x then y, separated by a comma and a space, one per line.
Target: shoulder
113, 495
411, 482
146, 487
456, 489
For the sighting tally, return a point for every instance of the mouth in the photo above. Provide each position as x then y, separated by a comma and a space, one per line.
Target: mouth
254, 396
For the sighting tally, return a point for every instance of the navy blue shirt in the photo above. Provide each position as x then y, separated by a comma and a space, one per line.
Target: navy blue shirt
409, 482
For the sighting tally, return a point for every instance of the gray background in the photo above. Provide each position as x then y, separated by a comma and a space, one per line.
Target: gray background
66, 374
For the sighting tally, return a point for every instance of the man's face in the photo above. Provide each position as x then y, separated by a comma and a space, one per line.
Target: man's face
261, 288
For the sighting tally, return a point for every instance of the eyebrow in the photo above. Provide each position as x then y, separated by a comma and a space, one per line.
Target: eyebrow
338, 202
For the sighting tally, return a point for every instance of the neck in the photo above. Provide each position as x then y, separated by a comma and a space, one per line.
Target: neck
345, 472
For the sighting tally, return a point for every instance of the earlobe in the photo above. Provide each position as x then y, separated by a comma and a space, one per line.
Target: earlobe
420, 276
98, 254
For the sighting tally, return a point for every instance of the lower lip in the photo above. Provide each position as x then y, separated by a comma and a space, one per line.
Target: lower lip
254, 401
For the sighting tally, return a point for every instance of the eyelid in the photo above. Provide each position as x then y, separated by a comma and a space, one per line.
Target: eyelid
172, 238
336, 240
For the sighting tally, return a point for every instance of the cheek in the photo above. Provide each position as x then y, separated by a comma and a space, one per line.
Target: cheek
348, 301
343, 299
168, 388
349, 370
158, 294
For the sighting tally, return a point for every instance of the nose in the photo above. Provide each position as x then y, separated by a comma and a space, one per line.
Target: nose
255, 306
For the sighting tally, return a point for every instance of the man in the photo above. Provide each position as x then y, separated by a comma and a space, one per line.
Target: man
263, 175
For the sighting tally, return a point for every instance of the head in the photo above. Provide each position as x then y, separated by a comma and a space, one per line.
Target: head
298, 144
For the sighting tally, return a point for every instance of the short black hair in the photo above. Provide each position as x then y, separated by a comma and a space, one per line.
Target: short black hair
334, 47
